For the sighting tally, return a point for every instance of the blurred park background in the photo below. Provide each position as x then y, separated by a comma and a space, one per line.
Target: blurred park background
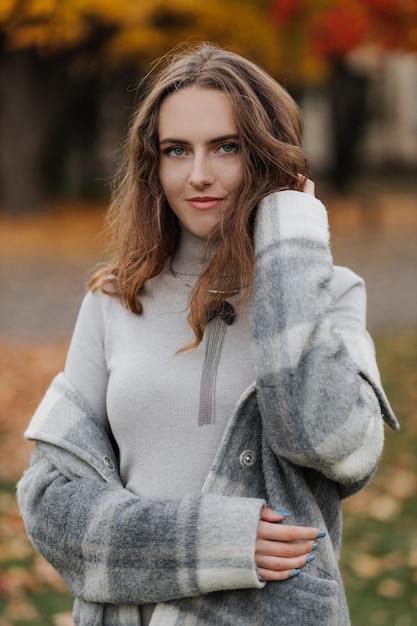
70, 73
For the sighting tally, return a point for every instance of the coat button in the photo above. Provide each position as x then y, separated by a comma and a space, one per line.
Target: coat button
108, 463
247, 458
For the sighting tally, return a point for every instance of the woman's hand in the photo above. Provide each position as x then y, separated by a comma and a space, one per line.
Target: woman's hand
282, 550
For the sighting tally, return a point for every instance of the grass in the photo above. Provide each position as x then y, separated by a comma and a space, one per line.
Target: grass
379, 556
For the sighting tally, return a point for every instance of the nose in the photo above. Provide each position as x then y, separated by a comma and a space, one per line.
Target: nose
201, 174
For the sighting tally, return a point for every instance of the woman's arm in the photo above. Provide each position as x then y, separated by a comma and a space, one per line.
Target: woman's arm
318, 384
86, 362
111, 546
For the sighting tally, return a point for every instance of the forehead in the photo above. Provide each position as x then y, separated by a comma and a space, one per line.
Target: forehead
196, 110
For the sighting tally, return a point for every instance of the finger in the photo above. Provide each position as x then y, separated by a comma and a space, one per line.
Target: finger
278, 564
284, 549
272, 575
274, 516
284, 532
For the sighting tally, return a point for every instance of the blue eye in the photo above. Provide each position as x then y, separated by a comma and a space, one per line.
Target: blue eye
228, 148
176, 151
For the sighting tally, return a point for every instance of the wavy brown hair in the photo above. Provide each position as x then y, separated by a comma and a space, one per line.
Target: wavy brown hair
145, 231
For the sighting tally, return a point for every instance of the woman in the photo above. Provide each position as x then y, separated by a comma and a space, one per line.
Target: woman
220, 394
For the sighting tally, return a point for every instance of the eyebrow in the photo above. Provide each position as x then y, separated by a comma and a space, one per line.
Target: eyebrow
215, 140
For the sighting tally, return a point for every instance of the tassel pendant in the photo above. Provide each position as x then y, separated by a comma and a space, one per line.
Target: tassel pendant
216, 328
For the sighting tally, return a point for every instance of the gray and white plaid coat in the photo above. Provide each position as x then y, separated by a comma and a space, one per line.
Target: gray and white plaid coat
308, 432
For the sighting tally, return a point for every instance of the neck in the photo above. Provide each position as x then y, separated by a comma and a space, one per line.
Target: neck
189, 256
189, 261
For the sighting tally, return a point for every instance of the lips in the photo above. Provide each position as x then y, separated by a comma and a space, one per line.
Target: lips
204, 203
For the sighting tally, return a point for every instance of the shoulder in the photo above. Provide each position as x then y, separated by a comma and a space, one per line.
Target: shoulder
97, 301
96, 308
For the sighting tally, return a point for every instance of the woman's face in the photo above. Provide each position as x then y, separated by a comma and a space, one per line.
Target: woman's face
199, 158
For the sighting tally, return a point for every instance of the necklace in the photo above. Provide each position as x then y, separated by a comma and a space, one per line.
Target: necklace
211, 291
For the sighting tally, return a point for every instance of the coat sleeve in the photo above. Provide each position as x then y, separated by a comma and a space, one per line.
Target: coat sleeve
318, 385
113, 547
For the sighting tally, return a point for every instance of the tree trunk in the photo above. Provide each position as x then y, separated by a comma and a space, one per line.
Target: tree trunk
348, 94
27, 113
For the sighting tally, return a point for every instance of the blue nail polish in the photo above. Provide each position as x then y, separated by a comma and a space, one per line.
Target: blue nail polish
283, 512
295, 572
315, 546
321, 534
310, 558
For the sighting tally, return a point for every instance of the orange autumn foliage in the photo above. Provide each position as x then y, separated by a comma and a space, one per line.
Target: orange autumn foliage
128, 31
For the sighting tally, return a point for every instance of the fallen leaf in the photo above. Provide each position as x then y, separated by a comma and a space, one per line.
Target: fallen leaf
402, 483
63, 619
13, 580
390, 588
45, 573
17, 548
7, 502
412, 558
365, 565
384, 508
18, 608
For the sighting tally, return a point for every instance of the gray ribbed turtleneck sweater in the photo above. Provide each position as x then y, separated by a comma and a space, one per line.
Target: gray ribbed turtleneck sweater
127, 368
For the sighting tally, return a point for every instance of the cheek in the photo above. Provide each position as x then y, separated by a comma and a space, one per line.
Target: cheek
171, 178
165, 179
233, 175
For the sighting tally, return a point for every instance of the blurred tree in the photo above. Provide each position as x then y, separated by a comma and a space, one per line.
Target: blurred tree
317, 38
313, 33
57, 55
125, 30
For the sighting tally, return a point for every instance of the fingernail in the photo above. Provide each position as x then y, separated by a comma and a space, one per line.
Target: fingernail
321, 534
315, 546
283, 512
295, 572
310, 558
261, 580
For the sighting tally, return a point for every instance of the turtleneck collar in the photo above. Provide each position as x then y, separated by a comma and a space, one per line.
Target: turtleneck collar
188, 258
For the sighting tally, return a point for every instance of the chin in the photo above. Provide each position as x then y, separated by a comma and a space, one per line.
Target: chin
204, 231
